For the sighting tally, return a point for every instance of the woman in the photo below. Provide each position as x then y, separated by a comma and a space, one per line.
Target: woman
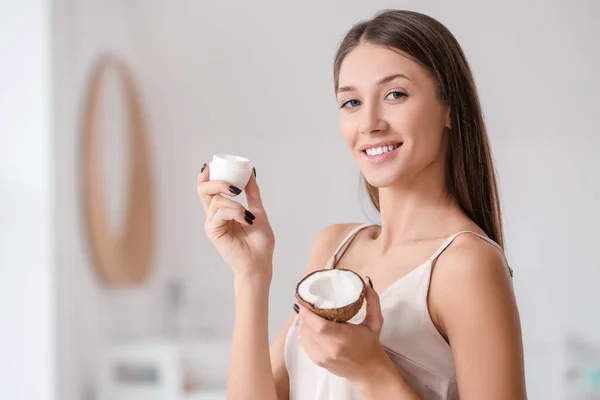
410, 115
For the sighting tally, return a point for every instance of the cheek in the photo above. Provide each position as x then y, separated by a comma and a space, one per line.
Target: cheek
420, 126
348, 129
430, 137
406, 119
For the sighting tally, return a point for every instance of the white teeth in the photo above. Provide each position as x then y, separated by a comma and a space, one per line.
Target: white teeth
374, 151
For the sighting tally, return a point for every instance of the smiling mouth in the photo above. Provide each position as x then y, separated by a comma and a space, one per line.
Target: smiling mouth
375, 151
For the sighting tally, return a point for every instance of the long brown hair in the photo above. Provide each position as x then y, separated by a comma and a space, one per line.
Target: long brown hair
470, 174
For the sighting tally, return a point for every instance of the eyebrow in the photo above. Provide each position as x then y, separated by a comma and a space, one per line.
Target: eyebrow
382, 81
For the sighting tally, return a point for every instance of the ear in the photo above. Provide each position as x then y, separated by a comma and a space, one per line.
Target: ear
448, 120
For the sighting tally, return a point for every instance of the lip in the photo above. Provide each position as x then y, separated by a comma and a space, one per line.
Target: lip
379, 144
379, 158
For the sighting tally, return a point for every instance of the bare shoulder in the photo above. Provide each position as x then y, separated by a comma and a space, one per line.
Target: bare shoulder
470, 259
325, 244
331, 236
469, 270
471, 300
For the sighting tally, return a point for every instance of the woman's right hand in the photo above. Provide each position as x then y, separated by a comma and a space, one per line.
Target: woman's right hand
244, 238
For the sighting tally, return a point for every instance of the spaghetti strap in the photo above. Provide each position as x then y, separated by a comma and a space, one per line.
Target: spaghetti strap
344, 245
451, 239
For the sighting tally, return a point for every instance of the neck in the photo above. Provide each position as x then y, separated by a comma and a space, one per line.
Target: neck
416, 208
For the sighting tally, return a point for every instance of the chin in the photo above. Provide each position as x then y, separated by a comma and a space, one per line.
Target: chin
383, 180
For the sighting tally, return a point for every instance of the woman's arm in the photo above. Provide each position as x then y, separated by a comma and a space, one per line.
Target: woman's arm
280, 373
255, 371
245, 240
385, 382
250, 375
323, 247
472, 300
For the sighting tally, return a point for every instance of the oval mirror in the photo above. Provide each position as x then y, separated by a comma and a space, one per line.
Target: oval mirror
116, 174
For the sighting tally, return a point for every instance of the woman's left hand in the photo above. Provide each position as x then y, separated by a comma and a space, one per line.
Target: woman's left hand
344, 349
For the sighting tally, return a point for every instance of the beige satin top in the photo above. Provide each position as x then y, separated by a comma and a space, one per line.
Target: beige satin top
409, 337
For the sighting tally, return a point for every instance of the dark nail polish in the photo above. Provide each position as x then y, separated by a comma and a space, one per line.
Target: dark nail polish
296, 308
234, 190
203, 168
370, 282
254, 170
248, 220
250, 215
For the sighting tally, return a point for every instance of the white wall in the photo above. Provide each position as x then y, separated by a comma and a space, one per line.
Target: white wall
256, 79
92, 315
27, 275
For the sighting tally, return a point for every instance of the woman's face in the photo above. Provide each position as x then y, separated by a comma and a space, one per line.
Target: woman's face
390, 115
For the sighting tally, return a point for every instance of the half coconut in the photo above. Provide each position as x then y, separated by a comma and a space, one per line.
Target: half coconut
334, 294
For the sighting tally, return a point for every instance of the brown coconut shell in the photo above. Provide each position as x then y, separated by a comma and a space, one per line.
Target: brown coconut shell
341, 314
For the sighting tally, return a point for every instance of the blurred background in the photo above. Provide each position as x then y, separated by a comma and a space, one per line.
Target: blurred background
194, 78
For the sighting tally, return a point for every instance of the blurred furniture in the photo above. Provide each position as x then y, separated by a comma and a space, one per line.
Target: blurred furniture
163, 370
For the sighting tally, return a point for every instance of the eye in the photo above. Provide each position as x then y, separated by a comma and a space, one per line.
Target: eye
395, 95
350, 103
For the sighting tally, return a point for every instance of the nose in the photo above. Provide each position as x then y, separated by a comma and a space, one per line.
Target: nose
372, 121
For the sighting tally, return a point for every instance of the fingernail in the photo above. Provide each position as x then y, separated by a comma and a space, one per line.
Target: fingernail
250, 215
203, 167
235, 190
248, 220
254, 170
296, 308
370, 282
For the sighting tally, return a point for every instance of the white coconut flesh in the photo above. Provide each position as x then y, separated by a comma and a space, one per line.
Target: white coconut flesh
331, 289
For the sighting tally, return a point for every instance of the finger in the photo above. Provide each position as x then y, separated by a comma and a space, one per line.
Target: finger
204, 175
317, 324
374, 318
224, 215
218, 201
253, 195
307, 339
203, 178
221, 203
208, 189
